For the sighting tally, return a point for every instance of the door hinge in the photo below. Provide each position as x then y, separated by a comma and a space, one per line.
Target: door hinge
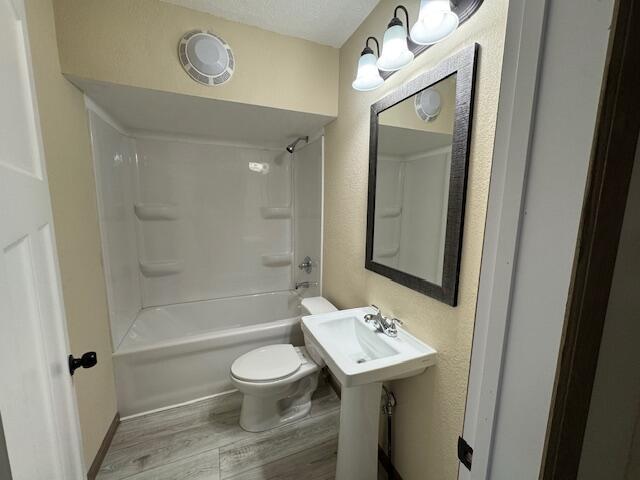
465, 453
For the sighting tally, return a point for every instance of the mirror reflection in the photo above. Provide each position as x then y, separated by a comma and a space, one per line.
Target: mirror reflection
412, 181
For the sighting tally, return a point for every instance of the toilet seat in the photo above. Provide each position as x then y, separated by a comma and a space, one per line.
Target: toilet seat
267, 364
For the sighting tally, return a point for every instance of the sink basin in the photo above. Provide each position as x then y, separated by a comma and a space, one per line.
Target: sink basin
361, 358
357, 354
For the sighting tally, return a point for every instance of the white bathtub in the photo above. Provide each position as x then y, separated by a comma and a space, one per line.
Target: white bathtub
182, 352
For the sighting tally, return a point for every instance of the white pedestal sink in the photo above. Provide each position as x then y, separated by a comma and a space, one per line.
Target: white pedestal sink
362, 358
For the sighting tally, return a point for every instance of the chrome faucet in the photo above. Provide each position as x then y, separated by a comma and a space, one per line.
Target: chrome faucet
306, 284
382, 323
306, 265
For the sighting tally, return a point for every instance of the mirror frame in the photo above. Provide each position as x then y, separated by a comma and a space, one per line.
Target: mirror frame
464, 65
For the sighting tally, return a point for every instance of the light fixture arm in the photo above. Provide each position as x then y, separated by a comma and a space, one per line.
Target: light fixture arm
366, 43
406, 14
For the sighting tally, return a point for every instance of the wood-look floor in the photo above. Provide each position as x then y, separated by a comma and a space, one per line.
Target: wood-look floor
204, 441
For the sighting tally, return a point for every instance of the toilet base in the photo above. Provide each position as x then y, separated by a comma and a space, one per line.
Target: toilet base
260, 413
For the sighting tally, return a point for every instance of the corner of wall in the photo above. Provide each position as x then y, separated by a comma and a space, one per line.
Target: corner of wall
65, 136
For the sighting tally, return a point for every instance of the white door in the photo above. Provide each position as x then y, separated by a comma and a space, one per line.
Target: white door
37, 401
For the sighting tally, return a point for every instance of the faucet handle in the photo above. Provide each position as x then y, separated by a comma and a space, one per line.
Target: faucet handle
306, 265
369, 317
393, 322
391, 326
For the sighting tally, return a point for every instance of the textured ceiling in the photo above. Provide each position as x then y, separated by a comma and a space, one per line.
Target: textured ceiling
330, 22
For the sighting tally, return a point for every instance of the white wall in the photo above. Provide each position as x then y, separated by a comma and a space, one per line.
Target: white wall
114, 161
571, 75
186, 219
307, 169
223, 242
614, 413
410, 225
390, 181
424, 214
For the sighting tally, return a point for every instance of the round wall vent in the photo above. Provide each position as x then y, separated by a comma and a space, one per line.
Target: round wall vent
206, 57
428, 104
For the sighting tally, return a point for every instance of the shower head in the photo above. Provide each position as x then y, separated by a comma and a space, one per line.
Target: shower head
292, 146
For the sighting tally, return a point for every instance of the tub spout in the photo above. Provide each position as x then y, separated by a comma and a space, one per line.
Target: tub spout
300, 285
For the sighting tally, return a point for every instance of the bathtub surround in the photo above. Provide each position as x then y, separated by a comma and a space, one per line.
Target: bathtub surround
114, 164
160, 197
67, 152
153, 111
135, 44
430, 411
307, 221
227, 239
201, 241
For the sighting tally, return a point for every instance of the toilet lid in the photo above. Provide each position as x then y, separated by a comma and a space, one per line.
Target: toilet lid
266, 363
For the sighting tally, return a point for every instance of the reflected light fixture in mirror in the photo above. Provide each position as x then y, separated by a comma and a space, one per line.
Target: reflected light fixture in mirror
435, 22
368, 76
395, 51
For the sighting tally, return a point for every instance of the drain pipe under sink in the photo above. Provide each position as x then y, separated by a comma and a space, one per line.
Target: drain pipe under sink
388, 404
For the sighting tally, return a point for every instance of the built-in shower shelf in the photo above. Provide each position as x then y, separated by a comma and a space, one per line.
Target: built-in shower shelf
161, 269
156, 211
275, 212
276, 259
387, 252
389, 212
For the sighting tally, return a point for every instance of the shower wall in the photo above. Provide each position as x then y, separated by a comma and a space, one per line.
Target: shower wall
115, 167
213, 220
424, 205
308, 213
412, 196
186, 220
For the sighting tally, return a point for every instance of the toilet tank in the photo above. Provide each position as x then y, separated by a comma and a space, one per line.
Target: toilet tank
315, 306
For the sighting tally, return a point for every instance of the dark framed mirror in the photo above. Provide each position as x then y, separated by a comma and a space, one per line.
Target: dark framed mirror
418, 159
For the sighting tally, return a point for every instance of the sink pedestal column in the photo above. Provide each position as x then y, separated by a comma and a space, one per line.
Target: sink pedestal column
358, 438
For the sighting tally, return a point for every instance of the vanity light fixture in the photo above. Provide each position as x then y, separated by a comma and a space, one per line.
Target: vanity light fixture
395, 51
435, 22
437, 19
368, 77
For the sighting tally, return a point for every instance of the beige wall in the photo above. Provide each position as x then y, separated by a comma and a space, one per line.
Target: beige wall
73, 194
135, 43
431, 406
404, 114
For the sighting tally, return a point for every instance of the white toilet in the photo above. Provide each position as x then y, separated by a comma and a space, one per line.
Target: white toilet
277, 381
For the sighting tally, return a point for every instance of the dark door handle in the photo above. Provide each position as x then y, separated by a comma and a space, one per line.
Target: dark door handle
87, 360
